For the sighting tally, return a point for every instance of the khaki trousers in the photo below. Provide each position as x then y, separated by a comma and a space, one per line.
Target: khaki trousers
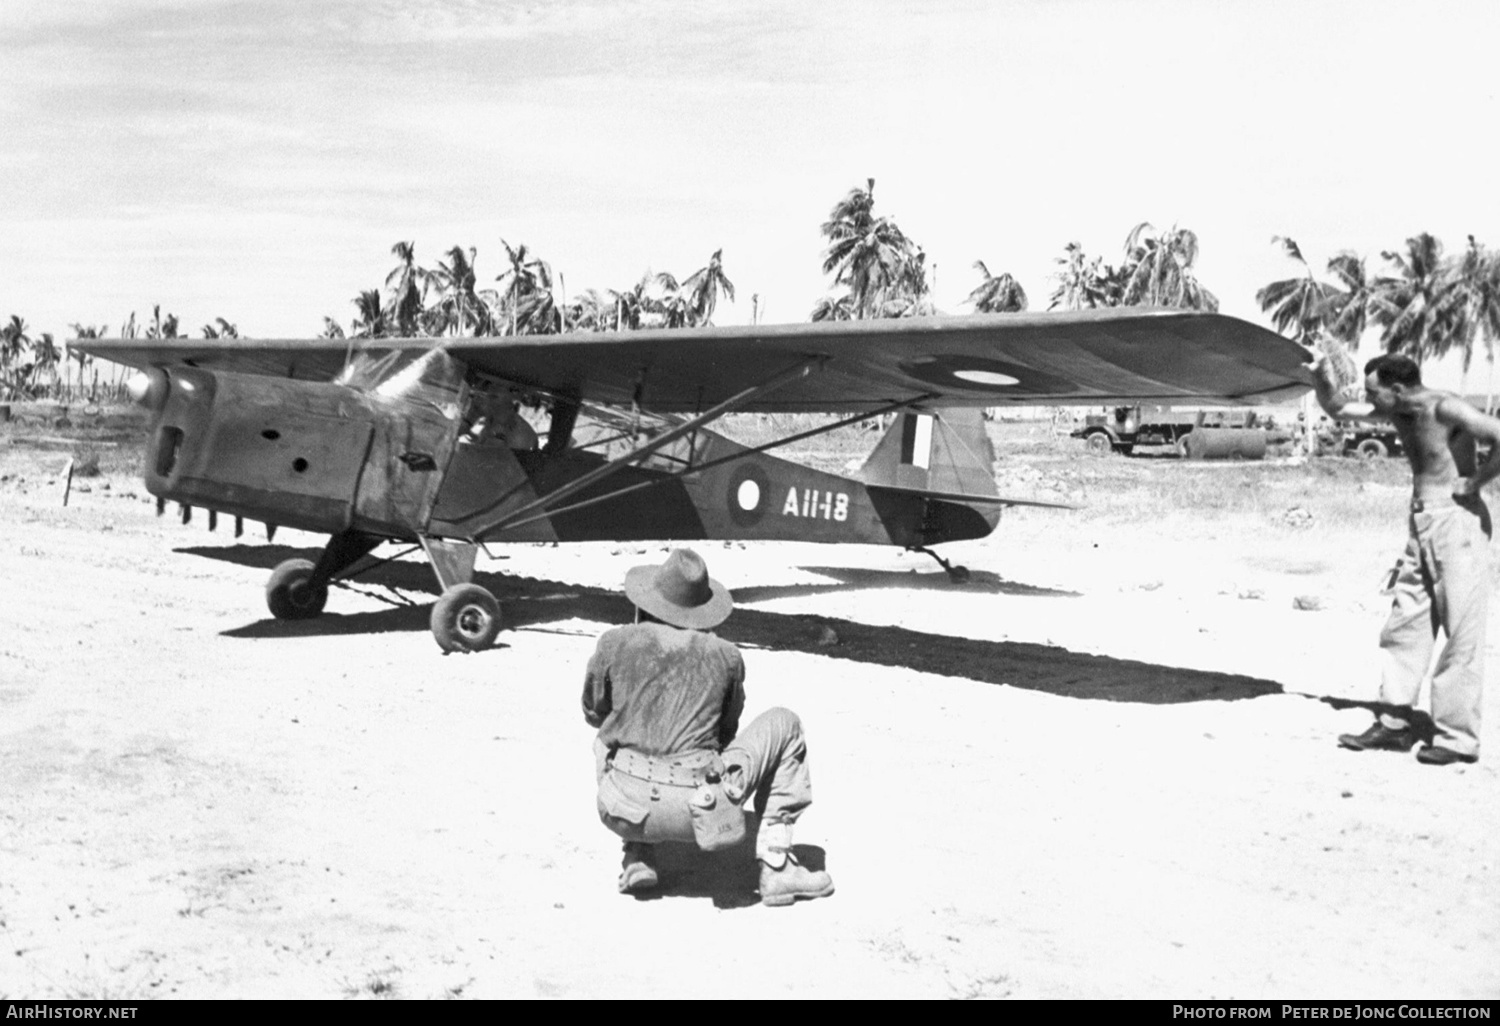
765, 765
1442, 581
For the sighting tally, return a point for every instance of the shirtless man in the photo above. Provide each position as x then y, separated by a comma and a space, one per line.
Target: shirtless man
1442, 578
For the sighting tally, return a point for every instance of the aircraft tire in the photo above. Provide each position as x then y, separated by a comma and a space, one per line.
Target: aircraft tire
290, 596
465, 618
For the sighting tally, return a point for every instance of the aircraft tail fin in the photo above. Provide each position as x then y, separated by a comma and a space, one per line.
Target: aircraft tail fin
945, 451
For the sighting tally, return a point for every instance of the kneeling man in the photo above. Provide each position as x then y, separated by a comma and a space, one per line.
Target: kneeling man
672, 764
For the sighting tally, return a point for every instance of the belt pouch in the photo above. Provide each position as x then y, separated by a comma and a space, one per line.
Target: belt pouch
622, 813
717, 821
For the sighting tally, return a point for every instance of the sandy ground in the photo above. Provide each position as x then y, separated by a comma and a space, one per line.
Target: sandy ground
1104, 768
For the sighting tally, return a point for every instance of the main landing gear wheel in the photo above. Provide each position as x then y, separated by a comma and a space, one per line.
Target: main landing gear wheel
290, 593
465, 618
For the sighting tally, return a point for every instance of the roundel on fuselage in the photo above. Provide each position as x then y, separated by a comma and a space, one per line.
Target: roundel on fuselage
982, 374
749, 495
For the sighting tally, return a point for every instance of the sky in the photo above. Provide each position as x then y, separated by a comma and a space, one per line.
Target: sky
257, 159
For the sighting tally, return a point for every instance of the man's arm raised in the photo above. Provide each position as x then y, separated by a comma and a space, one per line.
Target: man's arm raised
1330, 392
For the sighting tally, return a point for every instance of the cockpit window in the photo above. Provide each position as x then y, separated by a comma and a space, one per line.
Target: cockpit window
431, 378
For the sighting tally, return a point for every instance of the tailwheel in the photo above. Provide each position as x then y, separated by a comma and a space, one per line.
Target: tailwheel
957, 574
466, 618
291, 593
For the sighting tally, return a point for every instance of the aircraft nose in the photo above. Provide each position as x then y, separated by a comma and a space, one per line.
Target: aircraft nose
148, 388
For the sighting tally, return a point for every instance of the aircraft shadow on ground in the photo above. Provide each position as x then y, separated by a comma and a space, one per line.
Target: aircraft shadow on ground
531, 604
852, 579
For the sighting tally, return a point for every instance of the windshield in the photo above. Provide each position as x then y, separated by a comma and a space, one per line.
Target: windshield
431, 378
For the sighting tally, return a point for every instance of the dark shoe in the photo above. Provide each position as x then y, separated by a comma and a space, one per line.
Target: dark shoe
1433, 755
638, 868
792, 881
1380, 738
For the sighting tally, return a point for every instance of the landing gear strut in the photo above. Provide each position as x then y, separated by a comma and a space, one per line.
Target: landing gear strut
466, 617
956, 574
298, 588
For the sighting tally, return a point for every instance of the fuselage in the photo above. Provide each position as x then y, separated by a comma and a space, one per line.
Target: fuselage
330, 458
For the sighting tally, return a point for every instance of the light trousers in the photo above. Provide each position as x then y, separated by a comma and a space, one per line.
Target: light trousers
1442, 582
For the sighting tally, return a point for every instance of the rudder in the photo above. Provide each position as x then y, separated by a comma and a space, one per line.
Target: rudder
943, 451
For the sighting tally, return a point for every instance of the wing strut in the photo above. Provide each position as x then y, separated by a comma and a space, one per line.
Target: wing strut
699, 468
542, 505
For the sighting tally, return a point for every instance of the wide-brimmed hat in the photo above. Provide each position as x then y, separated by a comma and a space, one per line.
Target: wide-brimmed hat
679, 591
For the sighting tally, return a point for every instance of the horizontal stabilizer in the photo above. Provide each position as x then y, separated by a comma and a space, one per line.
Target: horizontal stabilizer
991, 500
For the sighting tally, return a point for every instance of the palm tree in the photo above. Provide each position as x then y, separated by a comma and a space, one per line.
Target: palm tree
670, 307
1476, 276
1348, 307
1085, 284
371, 321
459, 306
1002, 294
47, 355
161, 327
331, 329
908, 295
1296, 305
223, 330
81, 331
869, 255
408, 285
14, 342
703, 287
591, 311
527, 275
537, 314
1305, 309
1419, 306
633, 304
834, 308
1159, 269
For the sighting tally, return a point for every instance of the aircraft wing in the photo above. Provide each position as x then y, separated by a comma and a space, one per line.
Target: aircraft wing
1080, 358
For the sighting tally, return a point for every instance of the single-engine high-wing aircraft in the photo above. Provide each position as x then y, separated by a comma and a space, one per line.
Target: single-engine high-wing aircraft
415, 440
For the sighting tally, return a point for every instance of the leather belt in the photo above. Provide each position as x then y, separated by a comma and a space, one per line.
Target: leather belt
1444, 502
687, 769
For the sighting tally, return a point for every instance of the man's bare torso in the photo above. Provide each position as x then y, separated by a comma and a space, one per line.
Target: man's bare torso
1439, 450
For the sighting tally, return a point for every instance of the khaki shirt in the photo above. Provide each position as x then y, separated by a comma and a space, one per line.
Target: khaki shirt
663, 690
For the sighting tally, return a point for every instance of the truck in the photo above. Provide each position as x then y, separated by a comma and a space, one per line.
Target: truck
1370, 440
1125, 427
1367, 439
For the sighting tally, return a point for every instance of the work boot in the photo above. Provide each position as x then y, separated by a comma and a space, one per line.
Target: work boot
638, 868
791, 880
1436, 755
782, 878
1380, 738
